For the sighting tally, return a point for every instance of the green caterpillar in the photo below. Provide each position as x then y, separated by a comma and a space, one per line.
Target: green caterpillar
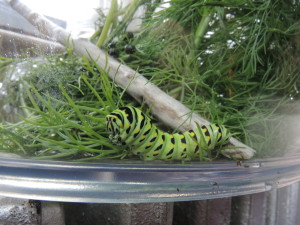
129, 126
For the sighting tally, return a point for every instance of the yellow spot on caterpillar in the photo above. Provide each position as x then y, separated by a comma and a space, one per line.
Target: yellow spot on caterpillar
171, 145
192, 134
207, 138
181, 136
204, 130
183, 145
128, 125
137, 130
155, 153
169, 156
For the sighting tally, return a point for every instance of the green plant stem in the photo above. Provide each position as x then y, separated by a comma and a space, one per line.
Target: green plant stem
201, 29
129, 13
108, 22
94, 92
96, 34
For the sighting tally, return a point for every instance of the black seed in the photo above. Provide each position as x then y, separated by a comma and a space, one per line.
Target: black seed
111, 45
113, 52
130, 35
129, 49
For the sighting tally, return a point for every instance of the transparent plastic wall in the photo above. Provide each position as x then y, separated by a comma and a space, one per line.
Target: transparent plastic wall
196, 57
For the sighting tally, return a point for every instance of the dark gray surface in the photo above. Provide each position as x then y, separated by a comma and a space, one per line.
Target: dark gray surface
52, 213
277, 207
123, 214
18, 212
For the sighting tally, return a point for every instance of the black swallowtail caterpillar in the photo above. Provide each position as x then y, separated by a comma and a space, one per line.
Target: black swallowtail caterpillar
129, 126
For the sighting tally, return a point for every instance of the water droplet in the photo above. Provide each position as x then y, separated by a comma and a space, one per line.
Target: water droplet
272, 46
229, 16
200, 61
3, 94
208, 51
209, 34
230, 43
296, 89
7, 108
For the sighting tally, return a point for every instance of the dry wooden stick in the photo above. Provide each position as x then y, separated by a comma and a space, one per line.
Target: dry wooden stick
164, 107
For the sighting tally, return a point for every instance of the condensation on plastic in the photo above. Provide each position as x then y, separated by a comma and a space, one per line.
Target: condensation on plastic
130, 182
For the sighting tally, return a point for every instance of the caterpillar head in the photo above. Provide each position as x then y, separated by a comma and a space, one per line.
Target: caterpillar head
114, 125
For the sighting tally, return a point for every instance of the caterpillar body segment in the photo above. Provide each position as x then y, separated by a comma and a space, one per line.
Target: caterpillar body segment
129, 126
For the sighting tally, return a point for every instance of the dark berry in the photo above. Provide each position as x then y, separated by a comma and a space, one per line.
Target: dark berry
129, 49
113, 52
111, 45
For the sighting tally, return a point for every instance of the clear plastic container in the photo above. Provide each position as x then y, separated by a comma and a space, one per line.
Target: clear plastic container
133, 182
125, 181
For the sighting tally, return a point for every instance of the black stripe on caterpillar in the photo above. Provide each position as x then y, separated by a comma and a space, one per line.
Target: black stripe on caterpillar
129, 126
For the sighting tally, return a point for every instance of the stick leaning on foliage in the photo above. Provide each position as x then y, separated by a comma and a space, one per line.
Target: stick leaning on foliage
164, 107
